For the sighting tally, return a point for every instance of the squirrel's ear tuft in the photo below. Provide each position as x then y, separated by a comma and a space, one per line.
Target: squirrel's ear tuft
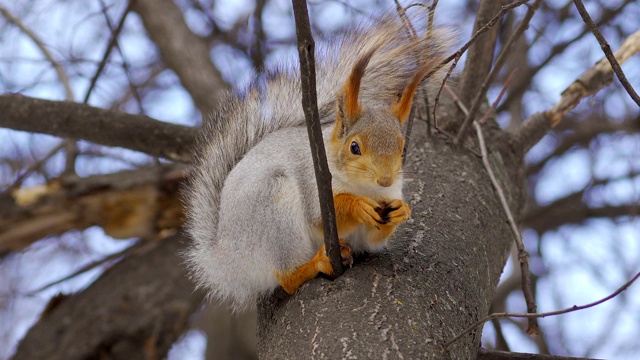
349, 108
402, 107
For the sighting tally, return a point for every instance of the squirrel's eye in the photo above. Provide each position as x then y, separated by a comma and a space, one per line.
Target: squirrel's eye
355, 148
404, 151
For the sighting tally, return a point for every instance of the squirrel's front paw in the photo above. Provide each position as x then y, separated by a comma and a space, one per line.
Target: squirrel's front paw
395, 212
367, 212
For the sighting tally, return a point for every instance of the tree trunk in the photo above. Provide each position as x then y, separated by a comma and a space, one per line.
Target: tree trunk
437, 277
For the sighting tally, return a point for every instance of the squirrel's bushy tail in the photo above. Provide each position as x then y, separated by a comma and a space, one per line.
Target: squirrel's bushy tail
243, 121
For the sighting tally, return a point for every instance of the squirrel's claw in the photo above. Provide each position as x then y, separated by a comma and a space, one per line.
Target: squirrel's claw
367, 212
345, 253
397, 212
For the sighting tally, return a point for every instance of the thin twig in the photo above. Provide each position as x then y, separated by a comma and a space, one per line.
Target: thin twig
540, 315
503, 10
125, 65
62, 75
523, 256
498, 99
497, 66
306, 47
69, 145
18, 181
107, 51
436, 101
455, 57
516, 91
412, 33
607, 51
90, 266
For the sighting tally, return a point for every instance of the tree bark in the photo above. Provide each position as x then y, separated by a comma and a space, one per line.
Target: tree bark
128, 204
135, 310
437, 277
105, 127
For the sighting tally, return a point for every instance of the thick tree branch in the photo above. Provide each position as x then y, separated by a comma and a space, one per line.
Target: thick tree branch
405, 302
183, 51
526, 73
480, 54
582, 133
504, 53
572, 210
135, 203
135, 310
607, 51
590, 82
104, 127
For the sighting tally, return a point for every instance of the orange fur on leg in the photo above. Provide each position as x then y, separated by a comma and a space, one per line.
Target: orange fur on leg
320, 263
351, 211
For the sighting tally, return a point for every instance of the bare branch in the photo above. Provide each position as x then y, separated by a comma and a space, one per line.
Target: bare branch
128, 204
607, 51
526, 75
582, 133
455, 57
506, 50
107, 52
125, 65
105, 127
62, 75
183, 51
484, 354
129, 312
480, 54
36, 165
541, 315
306, 47
523, 256
590, 82
572, 210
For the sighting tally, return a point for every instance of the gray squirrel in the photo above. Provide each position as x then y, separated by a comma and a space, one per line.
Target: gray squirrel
252, 202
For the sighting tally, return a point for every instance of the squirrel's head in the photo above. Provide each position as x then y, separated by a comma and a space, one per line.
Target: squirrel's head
368, 138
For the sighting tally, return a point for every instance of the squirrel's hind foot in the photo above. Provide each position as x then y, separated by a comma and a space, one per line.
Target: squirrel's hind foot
345, 253
292, 280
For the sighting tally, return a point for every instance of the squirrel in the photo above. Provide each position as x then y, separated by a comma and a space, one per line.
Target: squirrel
252, 202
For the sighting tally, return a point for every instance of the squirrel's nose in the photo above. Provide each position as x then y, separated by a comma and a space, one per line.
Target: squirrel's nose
385, 181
